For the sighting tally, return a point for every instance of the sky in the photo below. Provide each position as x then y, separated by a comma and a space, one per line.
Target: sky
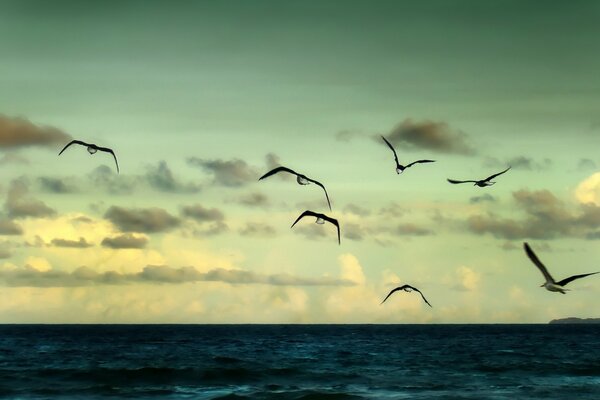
199, 99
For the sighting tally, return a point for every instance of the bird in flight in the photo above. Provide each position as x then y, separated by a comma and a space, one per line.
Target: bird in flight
321, 218
301, 179
408, 289
92, 148
399, 167
551, 284
482, 183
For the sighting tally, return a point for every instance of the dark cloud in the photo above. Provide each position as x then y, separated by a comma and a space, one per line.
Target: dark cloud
19, 132
57, 185
160, 177
105, 178
353, 231
258, 229
427, 135
482, 199
125, 241
20, 205
347, 135
585, 164
357, 210
392, 210
254, 200
76, 244
518, 162
200, 214
8, 227
145, 220
546, 217
273, 161
231, 173
5, 253
409, 229
157, 274
312, 231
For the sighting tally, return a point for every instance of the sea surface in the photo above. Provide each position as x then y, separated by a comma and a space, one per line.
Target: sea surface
300, 361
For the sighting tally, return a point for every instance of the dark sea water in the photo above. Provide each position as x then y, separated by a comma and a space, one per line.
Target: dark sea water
300, 361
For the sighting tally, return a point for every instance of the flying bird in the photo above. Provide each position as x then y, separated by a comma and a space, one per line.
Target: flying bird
321, 218
399, 167
482, 183
551, 284
92, 149
301, 179
408, 289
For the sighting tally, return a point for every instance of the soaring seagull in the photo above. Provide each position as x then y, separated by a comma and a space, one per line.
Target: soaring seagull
482, 183
551, 284
321, 218
92, 148
399, 167
301, 179
408, 289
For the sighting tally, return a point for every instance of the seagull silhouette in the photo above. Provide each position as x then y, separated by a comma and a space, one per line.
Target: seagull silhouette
92, 148
482, 183
399, 167
408, 289
301, 179
321, 218
550, 283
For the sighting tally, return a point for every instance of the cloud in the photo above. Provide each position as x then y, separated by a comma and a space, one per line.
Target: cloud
258, 229
427, 135
200, 214
468, 279
254, 200
588, 191
392, 210
8, 227
145, 220
273, 161
57, 185
357, 210
19, 132
79, 244
19, 205
353, 231
411, 230
106, 178
546, 217
29, 276
161, 177
347, 136
518, 162
231, 173
483, 198
125, 241
12, 158
586, 164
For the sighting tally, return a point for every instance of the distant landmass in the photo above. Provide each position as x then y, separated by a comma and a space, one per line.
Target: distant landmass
574, 320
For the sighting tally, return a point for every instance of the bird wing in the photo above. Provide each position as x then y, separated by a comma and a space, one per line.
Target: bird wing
572, 278
454, 181
538, 263
73, 142
417, 162
393, 291
276, 170
306, 213
489, 178
417, 290
334, 222
325, 190
107, 150
391, 147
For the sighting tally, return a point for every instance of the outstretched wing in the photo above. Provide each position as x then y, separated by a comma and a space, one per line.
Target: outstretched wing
334, 222
489, 178
424, 299
107, 150
393, 291
391, 147
538, 263
276, 170
418, 162
306, 213
73, 142
325, 190
454, 181
572, 278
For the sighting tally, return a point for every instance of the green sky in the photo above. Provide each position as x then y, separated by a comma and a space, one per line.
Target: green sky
199, 99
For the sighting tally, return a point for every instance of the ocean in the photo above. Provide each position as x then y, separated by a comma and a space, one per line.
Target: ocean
300, 361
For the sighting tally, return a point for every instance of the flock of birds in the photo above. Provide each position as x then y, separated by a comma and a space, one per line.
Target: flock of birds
321, 218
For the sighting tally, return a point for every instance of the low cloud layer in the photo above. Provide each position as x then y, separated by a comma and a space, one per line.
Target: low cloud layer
160, 177
229, 173
125, 241
19, 204
144, 220
29, 276
19, 132
75, 244
432, 136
